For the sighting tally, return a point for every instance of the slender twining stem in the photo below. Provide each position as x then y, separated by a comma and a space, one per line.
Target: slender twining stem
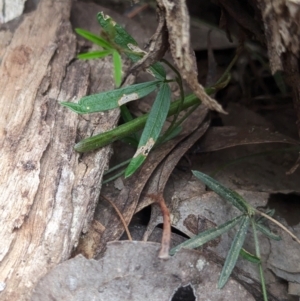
256, 243
279, 225
257, 253
231, 64
180, 84
263, 283
186, 115
137, 124
117, 175
119, 214
117, 166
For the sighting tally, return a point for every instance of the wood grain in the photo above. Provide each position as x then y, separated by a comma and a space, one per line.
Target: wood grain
48, 192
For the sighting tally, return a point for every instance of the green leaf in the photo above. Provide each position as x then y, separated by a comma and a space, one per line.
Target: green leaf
117, 61
94, 38
207, 235
158, 71
123, 130
266, 231
170, 135
93, 55
131, 141
262, 219
111, 99
234, 251
250, 257
270, 212
126, 114
231, 196
121, 37
153, 127
124, 40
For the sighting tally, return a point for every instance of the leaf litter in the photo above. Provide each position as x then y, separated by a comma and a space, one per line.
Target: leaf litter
192, 209
138, 275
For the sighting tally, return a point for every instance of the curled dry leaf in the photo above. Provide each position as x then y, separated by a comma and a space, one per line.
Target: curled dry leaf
178, 24
158, 45
159, 178
218, 138
127, 199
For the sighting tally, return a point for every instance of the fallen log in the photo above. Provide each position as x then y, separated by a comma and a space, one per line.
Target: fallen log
48, 191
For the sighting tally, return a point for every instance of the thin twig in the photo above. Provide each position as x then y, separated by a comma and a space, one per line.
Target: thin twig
279, 225
136, 10
120, 216
166, 236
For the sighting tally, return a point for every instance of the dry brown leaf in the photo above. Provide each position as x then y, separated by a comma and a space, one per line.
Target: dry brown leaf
88, 243
207, 210
159, 178
158, 45
178, 24
127, 199
218, 138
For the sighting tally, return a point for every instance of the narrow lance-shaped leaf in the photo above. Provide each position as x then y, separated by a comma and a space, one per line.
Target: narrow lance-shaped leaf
117, 62
207, 235
135, 54
172, 134
250, 257
111, 99
121, 36
93, 55
234, 251
94, 38
128, 128
153, 127
266, 231
231, 196
126, 115
123, 39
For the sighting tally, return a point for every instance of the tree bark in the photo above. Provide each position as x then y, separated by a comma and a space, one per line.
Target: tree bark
48, 191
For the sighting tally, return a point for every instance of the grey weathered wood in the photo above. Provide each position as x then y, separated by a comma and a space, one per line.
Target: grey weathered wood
48, 192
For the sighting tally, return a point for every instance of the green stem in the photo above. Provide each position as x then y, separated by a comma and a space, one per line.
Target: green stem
186, 115
119, 174
180, 84
126, 116
257, 251
232, 63
130, 127
137, 124
117, 166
